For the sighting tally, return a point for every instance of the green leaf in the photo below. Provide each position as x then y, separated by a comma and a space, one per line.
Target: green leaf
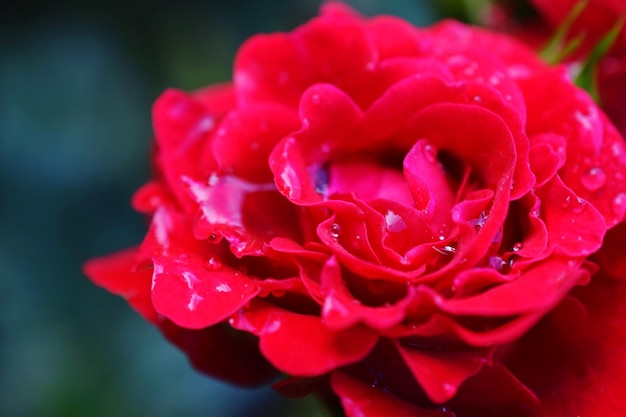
586, 77
553, 52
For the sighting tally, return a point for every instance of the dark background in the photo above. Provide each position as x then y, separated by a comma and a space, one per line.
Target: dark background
77, 80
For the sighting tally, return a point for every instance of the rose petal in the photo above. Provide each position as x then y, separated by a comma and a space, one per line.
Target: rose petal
575, 227
537, 288
302, 345
440, 373
494, 392
361, 400
577, 364
248, 215
246, 137
594, 147
368, 181
341, 310
194, 296
428, 183
182, 126
120, 274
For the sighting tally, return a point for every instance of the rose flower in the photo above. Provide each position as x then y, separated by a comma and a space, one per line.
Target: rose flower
395, 217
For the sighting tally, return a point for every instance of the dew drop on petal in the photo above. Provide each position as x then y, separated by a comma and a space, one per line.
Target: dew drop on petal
291, 182
430, 153
394, 222
593, 179
517, 247
223, 287
619, 205
500, 265
574, 205
316, 99
449, 389
194, 300
494, 80
335, 230
213, 264
479, 222
445, 250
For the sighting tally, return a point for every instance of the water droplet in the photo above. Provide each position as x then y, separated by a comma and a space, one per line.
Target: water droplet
619, 205
508, 97
471, 70
593, 179
213, 179
430, 153
213, 237
316, 99
585, 119
205, 124
394, 222
477, 99
446, 250
617, 149
449, 389
575, 205
213, 264
500, 264
335, 230
194, 300
223, 287
291, 182
517, 247
479, 222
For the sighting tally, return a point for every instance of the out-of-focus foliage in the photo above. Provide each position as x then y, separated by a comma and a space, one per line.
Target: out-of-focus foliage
77, 80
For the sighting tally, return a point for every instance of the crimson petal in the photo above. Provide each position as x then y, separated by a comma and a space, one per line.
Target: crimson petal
361, 400
119, 274
440, 373
192, 296
301, 345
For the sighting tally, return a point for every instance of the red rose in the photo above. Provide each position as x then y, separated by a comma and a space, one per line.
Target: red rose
390, 207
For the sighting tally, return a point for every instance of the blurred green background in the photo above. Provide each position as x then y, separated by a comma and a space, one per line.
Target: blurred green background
77, 80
